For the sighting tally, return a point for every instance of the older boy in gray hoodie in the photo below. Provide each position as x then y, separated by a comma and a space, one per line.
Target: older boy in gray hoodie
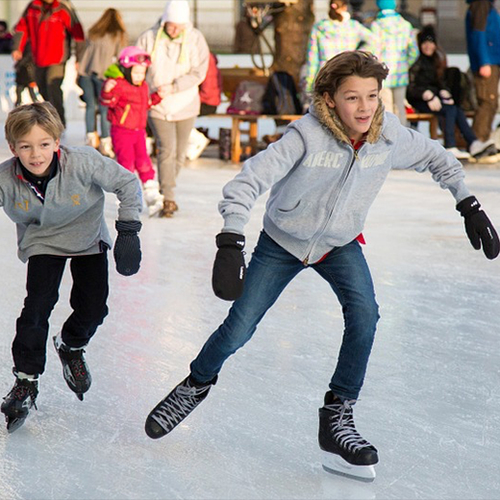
323, 174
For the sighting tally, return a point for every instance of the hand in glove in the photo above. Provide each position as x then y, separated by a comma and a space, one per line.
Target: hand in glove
479, 228
127, 249
229, 267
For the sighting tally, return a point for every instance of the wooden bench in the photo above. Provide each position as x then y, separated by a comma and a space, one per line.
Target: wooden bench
249, 125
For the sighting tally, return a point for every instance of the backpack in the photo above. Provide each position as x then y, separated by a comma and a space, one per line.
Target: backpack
281, 97
247, 99
462, 88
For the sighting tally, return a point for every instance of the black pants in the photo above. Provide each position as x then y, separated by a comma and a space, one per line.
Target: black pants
49, 80
88, 301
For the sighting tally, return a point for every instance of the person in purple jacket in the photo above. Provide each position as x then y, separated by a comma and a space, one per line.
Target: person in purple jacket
324, 174
55, 196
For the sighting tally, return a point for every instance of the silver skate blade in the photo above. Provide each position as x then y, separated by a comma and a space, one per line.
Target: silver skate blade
335, 464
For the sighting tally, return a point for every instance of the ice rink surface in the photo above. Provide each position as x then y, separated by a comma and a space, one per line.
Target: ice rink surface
430, 404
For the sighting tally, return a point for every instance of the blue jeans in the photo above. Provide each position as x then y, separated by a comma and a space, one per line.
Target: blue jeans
269, 272
91, 86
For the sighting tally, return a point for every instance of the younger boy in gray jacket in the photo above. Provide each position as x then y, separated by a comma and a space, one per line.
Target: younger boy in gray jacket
324, 175
55, 195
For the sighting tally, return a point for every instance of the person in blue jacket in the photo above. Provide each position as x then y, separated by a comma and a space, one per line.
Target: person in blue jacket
482, 24
324, 174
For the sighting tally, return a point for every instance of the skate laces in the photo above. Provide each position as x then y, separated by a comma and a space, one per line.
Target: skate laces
23, 389
177, 405
342, 427
74, 357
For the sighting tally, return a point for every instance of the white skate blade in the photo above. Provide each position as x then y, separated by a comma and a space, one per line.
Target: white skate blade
335, 464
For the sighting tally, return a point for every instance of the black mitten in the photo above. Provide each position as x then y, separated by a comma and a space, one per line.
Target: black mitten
479, 228
229, 267
127, 249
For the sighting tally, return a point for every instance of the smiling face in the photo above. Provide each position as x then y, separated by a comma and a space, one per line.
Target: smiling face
428, 48
36, 150
355, 102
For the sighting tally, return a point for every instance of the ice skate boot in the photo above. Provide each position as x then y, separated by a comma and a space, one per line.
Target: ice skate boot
20, 400
92, 140
344, 451
172, 410
75, 369
153, 197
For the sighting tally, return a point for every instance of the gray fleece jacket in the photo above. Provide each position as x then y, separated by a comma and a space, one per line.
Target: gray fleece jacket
70, 221
321, 189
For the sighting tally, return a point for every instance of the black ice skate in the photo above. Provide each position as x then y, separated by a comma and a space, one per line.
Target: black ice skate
344, 451
172, 410
20, 400
75, 369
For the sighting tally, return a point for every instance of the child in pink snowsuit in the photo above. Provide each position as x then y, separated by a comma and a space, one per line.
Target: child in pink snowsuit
126, 94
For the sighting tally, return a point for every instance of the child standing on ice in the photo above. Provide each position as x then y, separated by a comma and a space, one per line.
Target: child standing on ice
323, 174
126, 94
55, 196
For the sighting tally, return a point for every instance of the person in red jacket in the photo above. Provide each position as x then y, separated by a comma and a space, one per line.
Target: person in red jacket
49, 26
126, 94
211, 88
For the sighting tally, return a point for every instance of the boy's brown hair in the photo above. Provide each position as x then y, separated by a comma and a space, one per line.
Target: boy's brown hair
349, 63
22, 119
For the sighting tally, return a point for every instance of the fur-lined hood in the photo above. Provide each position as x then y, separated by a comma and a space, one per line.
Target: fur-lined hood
329, 118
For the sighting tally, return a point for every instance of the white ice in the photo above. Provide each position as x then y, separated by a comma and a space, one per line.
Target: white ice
431, 401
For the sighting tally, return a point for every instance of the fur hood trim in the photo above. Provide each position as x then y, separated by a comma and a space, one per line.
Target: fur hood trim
330, 120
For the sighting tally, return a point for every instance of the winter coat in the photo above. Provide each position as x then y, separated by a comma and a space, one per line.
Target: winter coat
70, 221
127, 104
396, 46
99, 55
423, 76
321, 188
181, 65
211, 87
482, 27
48, 27
328, 38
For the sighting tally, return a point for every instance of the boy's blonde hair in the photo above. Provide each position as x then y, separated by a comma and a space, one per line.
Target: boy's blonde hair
349, 63
22, 119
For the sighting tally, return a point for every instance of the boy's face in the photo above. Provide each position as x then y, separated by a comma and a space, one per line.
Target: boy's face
138, 74
355, 101
35, 150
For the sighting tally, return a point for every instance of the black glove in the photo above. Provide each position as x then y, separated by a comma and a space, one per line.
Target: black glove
127, 249
478, 227
229, 267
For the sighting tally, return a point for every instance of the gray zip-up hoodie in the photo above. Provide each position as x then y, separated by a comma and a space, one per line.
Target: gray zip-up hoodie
70, 221
321, 189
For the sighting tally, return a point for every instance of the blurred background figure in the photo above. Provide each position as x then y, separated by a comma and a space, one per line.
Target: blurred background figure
396, 47
49, 26
105, 40
427, 92
179, 55
331, 36
5, 38
25, 77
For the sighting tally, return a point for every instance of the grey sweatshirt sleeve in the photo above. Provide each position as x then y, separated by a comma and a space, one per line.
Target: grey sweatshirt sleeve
258, 174
114, 178
421, 154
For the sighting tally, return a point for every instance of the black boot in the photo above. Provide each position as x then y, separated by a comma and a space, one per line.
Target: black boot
172, 410
19, 401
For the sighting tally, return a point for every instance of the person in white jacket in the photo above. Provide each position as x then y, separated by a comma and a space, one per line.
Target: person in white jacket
179, 55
